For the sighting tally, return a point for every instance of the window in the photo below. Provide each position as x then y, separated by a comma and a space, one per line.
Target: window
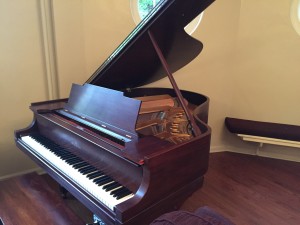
145, 6
140, 8
295, 15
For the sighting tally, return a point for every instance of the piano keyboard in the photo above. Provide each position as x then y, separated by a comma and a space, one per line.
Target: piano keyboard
92, 180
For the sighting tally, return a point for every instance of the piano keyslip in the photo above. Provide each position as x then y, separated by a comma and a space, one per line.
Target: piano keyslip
85, 175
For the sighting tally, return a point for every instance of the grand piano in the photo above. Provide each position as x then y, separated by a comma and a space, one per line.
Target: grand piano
127, 152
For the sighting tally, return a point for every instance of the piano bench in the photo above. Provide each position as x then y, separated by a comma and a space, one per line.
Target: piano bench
202, 216
264, 132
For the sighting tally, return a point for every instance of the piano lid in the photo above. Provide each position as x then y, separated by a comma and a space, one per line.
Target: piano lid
135, 62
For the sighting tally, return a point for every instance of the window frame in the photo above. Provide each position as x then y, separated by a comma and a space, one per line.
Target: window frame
190, 28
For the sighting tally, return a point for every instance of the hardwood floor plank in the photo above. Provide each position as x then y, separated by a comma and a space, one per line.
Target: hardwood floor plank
249, 190
30, 199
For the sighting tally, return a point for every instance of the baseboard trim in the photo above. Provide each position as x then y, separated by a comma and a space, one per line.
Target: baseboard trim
226, 148
37, 170
286, 153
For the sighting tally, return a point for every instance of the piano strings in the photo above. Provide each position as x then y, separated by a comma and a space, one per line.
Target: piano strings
163, 117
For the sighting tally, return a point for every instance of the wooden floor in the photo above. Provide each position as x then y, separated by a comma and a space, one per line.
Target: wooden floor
34, 199
248, 190
251, 190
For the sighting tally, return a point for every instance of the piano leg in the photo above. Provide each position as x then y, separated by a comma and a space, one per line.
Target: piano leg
97, 221
63, 192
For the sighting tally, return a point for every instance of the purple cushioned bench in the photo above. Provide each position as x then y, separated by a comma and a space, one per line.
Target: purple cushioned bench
202, 216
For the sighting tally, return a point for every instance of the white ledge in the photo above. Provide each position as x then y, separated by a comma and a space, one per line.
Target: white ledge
266, 140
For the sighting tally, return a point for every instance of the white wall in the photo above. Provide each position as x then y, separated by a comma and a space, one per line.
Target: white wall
267, 63
266, 70
22, 77
248, 66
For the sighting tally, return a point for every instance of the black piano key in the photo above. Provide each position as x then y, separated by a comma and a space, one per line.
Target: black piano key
105, 181
115, 192
74, 163
48, 143
89, 171
85, 168
111, 186
123, 194
64, 152
94, 175
102, 179
82, 166
57, 150
119, 191
67, 156
53, 149
73, 160
61, 155
52, 145
79, 165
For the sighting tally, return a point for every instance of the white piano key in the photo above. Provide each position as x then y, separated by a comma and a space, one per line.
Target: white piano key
82, 180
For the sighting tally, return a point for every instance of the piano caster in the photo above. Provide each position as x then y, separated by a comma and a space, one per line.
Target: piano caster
63, 192
97, 221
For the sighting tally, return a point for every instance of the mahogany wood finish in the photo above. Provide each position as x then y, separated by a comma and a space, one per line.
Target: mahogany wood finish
169, 173
135, 62
160, 174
